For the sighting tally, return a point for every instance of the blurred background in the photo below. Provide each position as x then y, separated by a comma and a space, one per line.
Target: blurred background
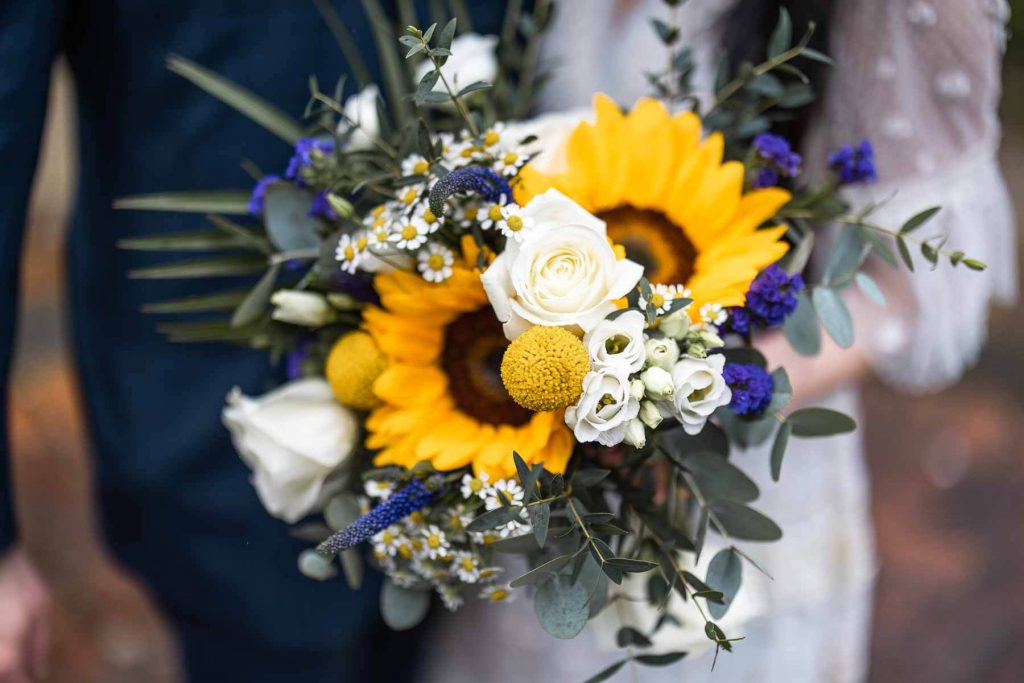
947, 493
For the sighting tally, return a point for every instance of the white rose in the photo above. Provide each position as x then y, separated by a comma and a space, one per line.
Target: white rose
472, 59
301, 308
605, 408
661, 352
618, 342
293, 439
636, 434
699, 390
676, 324
658, 383
361, 116
564, 274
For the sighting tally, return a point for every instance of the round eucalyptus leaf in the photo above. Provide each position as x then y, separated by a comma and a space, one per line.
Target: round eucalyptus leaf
315, 566
834, 316
562, 607
288, 222
820, 422
402, 608
745, 523
341, 511
801, 328
718, 478
725, 574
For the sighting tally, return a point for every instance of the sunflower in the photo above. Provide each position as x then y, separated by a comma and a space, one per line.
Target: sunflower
668, 199
441, 396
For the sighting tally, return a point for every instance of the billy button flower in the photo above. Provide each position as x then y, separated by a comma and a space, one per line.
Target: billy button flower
353, 365
397, 507
543, 368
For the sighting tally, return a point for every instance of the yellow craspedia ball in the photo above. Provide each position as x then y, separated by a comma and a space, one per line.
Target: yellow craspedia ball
353, 365
543, 369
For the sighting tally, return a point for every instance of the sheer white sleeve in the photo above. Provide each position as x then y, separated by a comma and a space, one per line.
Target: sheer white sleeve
921, 80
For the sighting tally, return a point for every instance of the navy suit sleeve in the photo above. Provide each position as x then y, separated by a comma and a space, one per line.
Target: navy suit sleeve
30, 33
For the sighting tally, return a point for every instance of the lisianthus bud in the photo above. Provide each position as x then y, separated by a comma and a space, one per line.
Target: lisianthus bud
662, 352
637, 389
650, 414
636, 434
344, 302
301, 308
341, 206
676, 324
658, 383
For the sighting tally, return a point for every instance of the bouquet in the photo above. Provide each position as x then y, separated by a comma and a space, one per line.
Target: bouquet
530, 337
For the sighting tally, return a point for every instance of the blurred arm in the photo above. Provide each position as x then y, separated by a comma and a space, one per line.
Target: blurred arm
29, 37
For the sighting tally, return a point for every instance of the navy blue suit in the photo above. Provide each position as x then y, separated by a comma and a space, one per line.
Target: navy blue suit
176, 503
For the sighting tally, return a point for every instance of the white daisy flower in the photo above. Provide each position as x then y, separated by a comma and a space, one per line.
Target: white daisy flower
493, 213
485, 537
459, 518
461, 154
515, 225
435, 543
662, 297
426, 214
378, 489
410, 233
475, 486
415, 164
435, 263
451, 598
493, 135
713, 314
468, 214
507, 162
408, 196
384, 561
504, 488
351, 251
497, 593
389, 541
466, 566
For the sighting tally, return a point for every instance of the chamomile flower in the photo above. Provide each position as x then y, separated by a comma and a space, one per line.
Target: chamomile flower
662, 297
435, 263
515, 225
507, 489
410, 233
384, 561
493, 213
424, 212
468, 214
508, 161
451, 598
475, 485
713, 314
379, 216
414, 164
488, 573
351, 251
459, 518
466, 566
408, 196
493, 135
435, 543
497, 593
485, 537
378, 489
389, 541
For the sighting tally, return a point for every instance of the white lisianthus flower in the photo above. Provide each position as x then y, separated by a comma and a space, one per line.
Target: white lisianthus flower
361, 118
636, 434
658, 383
676, 324
293, 439
618, 342
699, 390
605, 408
564, 274
661, 352
307, 309
473, 59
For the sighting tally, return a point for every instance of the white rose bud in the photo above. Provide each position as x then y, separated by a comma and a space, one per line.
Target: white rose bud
301, 308
700, 390
650, 414
658, 383
637, 389
293, 439
662, 353
676, 324
636, 434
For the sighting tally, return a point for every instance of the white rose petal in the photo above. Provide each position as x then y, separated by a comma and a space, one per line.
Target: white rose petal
293, 439
699, 390
563, 274
605, 408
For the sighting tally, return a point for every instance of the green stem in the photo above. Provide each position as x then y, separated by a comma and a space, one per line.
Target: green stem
735, 85
456, 99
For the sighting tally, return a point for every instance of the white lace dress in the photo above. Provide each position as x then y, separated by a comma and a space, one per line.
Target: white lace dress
920, 79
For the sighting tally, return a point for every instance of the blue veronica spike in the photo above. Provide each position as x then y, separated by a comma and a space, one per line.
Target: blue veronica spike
397, 507
480, 180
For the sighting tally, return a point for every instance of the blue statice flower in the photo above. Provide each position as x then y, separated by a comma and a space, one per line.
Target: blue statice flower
303, 156
778, 158
770, 299
480, 180
395, 508
739, 321
321, 207
766, 177
854, 164
259, 192
295, 359
751, 386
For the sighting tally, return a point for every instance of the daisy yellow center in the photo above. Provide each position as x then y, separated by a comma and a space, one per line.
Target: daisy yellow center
409, 232
658, 299
421, 167
515, 223
387, 538
417, 517
381, 235
491, 137
350, 252
498, 595
435, 262
471, 359
468, 564
467, 152
362, 242
511, 158
378, 210
475, 485
434, 541
471, 213
379, 222
405, 551
409, 197
653, 241
456, 522
494, 212
429, 216
543, 369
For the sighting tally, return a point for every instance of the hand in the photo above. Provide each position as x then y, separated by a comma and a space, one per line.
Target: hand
25, 620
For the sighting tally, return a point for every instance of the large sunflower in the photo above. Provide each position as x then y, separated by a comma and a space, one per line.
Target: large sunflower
442, 398
668, 198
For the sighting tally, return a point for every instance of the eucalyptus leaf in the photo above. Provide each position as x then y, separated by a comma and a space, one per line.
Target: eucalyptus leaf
473, 87
221, 201
542, 571
607, 673
904, 251
782, 36
745, 523
341, 510
250, 310
494, 518
315, 566
870, 288
725, 574
834, 316
540, 517
628, 636
402, 608
289, 224
718, 478
352, 568
220, 266
919, 219
630, 566
801, 328
561, 606
779, 449
660, 660
218, 301
812, 422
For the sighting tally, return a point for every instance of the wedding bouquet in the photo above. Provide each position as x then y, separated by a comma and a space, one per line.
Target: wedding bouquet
529, 337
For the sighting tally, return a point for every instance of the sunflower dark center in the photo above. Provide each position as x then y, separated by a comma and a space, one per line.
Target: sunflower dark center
653, 241
473, 347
